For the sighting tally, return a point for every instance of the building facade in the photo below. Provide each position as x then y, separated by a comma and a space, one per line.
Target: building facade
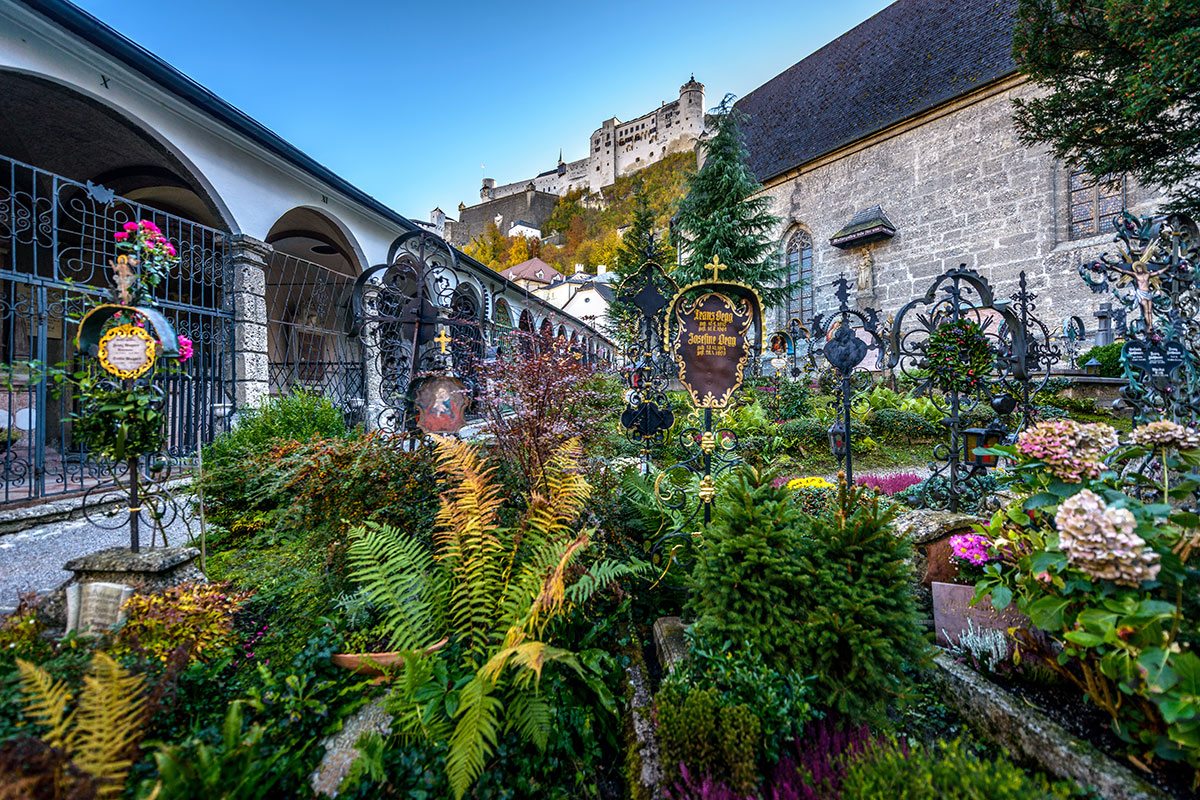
872, 120
95, 132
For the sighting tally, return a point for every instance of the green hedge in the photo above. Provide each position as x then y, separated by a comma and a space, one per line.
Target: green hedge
897, 425
1109, 357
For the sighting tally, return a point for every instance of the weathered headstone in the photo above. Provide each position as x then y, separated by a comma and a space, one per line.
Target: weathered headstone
96, 607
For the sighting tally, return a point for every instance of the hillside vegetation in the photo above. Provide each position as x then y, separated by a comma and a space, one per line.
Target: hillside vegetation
591, 224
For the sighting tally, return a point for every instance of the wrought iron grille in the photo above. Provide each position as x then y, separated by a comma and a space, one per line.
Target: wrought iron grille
308, 347
55, 247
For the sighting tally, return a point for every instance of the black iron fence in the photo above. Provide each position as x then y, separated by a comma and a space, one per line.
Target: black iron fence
55, 247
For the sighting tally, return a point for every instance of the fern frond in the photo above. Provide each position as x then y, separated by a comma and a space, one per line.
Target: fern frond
559, 496
601, 574
474, 737
395, 570
107, 724
549, 600
46, 701
469, 543
532, 717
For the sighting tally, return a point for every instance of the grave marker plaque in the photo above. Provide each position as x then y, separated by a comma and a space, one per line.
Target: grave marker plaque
1153, 360
709, 345
95, 607
127, 351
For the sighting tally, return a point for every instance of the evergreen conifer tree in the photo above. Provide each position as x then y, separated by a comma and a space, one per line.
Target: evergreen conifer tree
722, 215
641, 242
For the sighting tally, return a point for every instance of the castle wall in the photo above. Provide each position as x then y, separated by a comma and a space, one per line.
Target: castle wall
960, 189
619, 148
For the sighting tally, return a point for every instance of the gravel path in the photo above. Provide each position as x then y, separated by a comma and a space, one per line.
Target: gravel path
32, 560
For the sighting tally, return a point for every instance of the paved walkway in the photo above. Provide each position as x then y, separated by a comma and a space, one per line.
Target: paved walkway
32, 560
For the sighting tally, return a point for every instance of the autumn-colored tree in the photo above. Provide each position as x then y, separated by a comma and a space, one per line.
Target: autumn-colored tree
519, 252
490, 247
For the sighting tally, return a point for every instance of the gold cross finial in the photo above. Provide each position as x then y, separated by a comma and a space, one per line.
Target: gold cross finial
716, 266
443, 339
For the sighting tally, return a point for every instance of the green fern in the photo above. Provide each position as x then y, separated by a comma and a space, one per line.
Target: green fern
602, 574
532, 717
474, 736
46, 702
397, 573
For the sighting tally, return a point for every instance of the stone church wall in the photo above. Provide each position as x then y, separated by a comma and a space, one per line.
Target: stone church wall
960, 189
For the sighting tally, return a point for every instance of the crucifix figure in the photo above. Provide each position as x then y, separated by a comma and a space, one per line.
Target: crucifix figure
443, 339
1143, 281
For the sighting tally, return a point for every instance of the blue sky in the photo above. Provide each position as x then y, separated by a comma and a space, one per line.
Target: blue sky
407, 101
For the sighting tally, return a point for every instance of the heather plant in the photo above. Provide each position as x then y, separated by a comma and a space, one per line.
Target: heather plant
1098, 553
890, 484
816, 764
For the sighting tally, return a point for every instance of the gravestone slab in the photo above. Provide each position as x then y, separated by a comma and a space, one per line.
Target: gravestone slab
96, 607
151, 571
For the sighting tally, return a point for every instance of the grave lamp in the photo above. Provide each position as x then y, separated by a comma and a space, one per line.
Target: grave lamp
837, 439
977, 438
1092, 367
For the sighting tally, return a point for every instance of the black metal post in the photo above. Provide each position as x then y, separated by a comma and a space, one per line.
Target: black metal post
135, 506
846, 424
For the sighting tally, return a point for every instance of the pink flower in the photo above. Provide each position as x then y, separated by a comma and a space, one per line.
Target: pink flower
170, 248
185, 348
130, 226
120, 237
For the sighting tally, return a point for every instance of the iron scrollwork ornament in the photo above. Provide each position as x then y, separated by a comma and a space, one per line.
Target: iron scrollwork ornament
845, 340
648, 414
956, 297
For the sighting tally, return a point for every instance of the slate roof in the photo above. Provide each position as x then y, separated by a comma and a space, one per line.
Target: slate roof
910, 57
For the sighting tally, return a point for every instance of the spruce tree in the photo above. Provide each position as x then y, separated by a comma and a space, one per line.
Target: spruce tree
722, 215
641, 242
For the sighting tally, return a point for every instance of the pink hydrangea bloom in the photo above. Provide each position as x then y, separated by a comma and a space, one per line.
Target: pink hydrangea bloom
1071, 451
185, 348
1101, 541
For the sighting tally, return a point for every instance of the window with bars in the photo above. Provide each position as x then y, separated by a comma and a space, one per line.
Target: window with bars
1094, 203
798, 257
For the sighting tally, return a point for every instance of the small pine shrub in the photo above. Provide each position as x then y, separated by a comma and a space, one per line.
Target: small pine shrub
893, 771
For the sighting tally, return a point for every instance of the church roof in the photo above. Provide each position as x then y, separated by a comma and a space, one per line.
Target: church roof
910, 57
532, 270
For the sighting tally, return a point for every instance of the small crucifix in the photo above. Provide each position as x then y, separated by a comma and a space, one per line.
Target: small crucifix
716, 266
443, 339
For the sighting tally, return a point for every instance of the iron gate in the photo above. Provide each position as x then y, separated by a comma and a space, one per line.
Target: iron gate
55, 247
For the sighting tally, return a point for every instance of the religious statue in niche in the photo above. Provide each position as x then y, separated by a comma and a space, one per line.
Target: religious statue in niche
866, 272
441, 405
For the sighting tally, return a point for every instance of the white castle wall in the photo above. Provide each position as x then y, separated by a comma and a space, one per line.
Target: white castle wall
619, 148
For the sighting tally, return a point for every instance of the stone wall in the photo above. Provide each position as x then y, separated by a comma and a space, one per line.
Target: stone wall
960, 189
532, 206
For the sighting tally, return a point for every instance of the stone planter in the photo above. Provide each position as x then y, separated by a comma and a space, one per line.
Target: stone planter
952, 611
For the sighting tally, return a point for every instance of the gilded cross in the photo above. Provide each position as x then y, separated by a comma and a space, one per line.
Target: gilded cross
716, 266
443, 339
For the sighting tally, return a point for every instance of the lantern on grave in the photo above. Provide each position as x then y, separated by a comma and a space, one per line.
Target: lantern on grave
982, 438
1092, 367
837, 439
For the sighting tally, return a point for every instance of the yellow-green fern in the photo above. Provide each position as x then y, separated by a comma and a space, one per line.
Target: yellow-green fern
100, 734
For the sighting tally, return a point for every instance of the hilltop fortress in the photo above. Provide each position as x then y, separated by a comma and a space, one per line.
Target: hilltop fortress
615, 149
618, 148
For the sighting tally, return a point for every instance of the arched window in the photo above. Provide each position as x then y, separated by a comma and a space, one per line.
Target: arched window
798, 258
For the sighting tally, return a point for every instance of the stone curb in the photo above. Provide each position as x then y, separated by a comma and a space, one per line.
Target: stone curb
1032, 737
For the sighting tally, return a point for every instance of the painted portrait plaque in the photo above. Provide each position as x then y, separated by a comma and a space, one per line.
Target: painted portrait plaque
441, 405
127, 351
709, 345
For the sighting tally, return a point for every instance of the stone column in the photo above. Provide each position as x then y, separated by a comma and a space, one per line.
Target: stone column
249, 281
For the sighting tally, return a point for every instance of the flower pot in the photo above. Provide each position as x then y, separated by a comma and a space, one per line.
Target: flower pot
373, 665
952, 610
